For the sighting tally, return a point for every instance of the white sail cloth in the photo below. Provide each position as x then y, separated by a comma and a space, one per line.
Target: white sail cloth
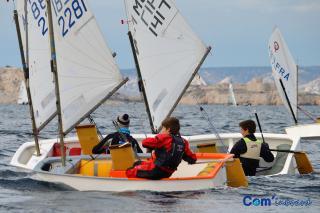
284, 67
232, 96
87, 72
23, 97
38, 52
168, 53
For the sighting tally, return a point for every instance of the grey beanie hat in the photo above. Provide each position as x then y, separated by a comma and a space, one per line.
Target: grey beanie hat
123, 120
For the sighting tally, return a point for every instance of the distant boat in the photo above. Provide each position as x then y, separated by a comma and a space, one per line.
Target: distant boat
232, 97
22, 98
285, 73
198, 81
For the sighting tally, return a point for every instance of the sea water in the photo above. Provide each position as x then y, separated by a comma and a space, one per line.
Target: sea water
287, 193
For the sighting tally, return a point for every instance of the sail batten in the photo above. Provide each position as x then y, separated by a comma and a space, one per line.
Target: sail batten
168, 54
284, 68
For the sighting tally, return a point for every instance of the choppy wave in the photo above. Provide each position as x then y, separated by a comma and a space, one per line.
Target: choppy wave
28, 184
5, 174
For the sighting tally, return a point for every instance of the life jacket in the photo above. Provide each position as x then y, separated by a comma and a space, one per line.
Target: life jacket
171, 160
124, 133
253, 149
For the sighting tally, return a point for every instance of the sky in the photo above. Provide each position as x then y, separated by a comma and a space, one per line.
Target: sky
238, 30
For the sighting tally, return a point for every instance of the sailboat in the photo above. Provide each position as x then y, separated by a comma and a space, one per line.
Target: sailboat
232, 98
198, 81
22, 98
285, 73
167, 55
84, 76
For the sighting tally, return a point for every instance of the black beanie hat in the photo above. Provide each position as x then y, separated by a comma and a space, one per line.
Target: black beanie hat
123, 120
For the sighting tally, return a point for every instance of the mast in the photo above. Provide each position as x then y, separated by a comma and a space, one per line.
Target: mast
25, 67
55, 73
27, 32
288, 101
190, 80
140, 82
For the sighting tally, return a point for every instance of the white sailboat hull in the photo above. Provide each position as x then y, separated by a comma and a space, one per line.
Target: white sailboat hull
305, 131
25, 157
82, 183
109, 184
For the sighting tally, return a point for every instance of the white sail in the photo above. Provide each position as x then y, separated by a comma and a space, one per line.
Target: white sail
231, 95
40, 76
168, 53
284, 68
198, 81
23, 97
87, 72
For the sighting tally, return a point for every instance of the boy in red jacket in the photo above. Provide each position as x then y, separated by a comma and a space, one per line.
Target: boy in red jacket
169, 148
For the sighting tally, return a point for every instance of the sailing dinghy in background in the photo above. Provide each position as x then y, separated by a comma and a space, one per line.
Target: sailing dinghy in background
232, 97
167, 56
285, 73
23, 97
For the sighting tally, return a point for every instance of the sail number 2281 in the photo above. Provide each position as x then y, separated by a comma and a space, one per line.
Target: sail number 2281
69, 13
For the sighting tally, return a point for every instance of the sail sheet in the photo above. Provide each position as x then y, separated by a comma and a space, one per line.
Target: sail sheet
284, 68
23, 97
40, 76
87, 71
168, 53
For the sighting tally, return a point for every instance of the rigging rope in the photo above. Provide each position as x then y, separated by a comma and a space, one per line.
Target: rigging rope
307, 113
254, 111
94, 123
206, 116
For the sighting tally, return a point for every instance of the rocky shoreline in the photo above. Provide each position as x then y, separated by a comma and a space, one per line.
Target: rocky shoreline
255, 92
10, 80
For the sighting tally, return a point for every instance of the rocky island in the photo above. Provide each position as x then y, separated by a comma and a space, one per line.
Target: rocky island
256, 91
